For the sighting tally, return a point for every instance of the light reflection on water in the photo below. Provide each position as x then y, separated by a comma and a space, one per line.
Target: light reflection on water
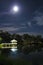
13, 50
15, 53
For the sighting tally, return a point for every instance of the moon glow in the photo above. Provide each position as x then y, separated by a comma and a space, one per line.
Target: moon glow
15, 9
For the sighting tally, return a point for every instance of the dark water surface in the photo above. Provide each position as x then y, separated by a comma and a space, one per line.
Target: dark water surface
36, 57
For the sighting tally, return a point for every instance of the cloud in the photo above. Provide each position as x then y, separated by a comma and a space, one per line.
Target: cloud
11, 29
38, 17
39, 20
26, 24
7, 13
29, 23
4, 13
6, 24
23, 24
30, 33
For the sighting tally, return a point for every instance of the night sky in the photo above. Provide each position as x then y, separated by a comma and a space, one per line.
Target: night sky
29, 18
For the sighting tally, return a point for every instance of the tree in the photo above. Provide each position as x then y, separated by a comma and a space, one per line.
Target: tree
6, 36
0, 40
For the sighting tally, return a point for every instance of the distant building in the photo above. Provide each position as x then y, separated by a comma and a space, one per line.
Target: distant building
14, 41
13, 44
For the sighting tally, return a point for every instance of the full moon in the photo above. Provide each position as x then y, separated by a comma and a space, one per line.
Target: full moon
15, 8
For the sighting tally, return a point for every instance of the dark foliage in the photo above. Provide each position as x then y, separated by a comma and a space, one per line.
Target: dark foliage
26, 43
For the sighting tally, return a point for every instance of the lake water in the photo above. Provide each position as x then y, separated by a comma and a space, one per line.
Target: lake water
35, 57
